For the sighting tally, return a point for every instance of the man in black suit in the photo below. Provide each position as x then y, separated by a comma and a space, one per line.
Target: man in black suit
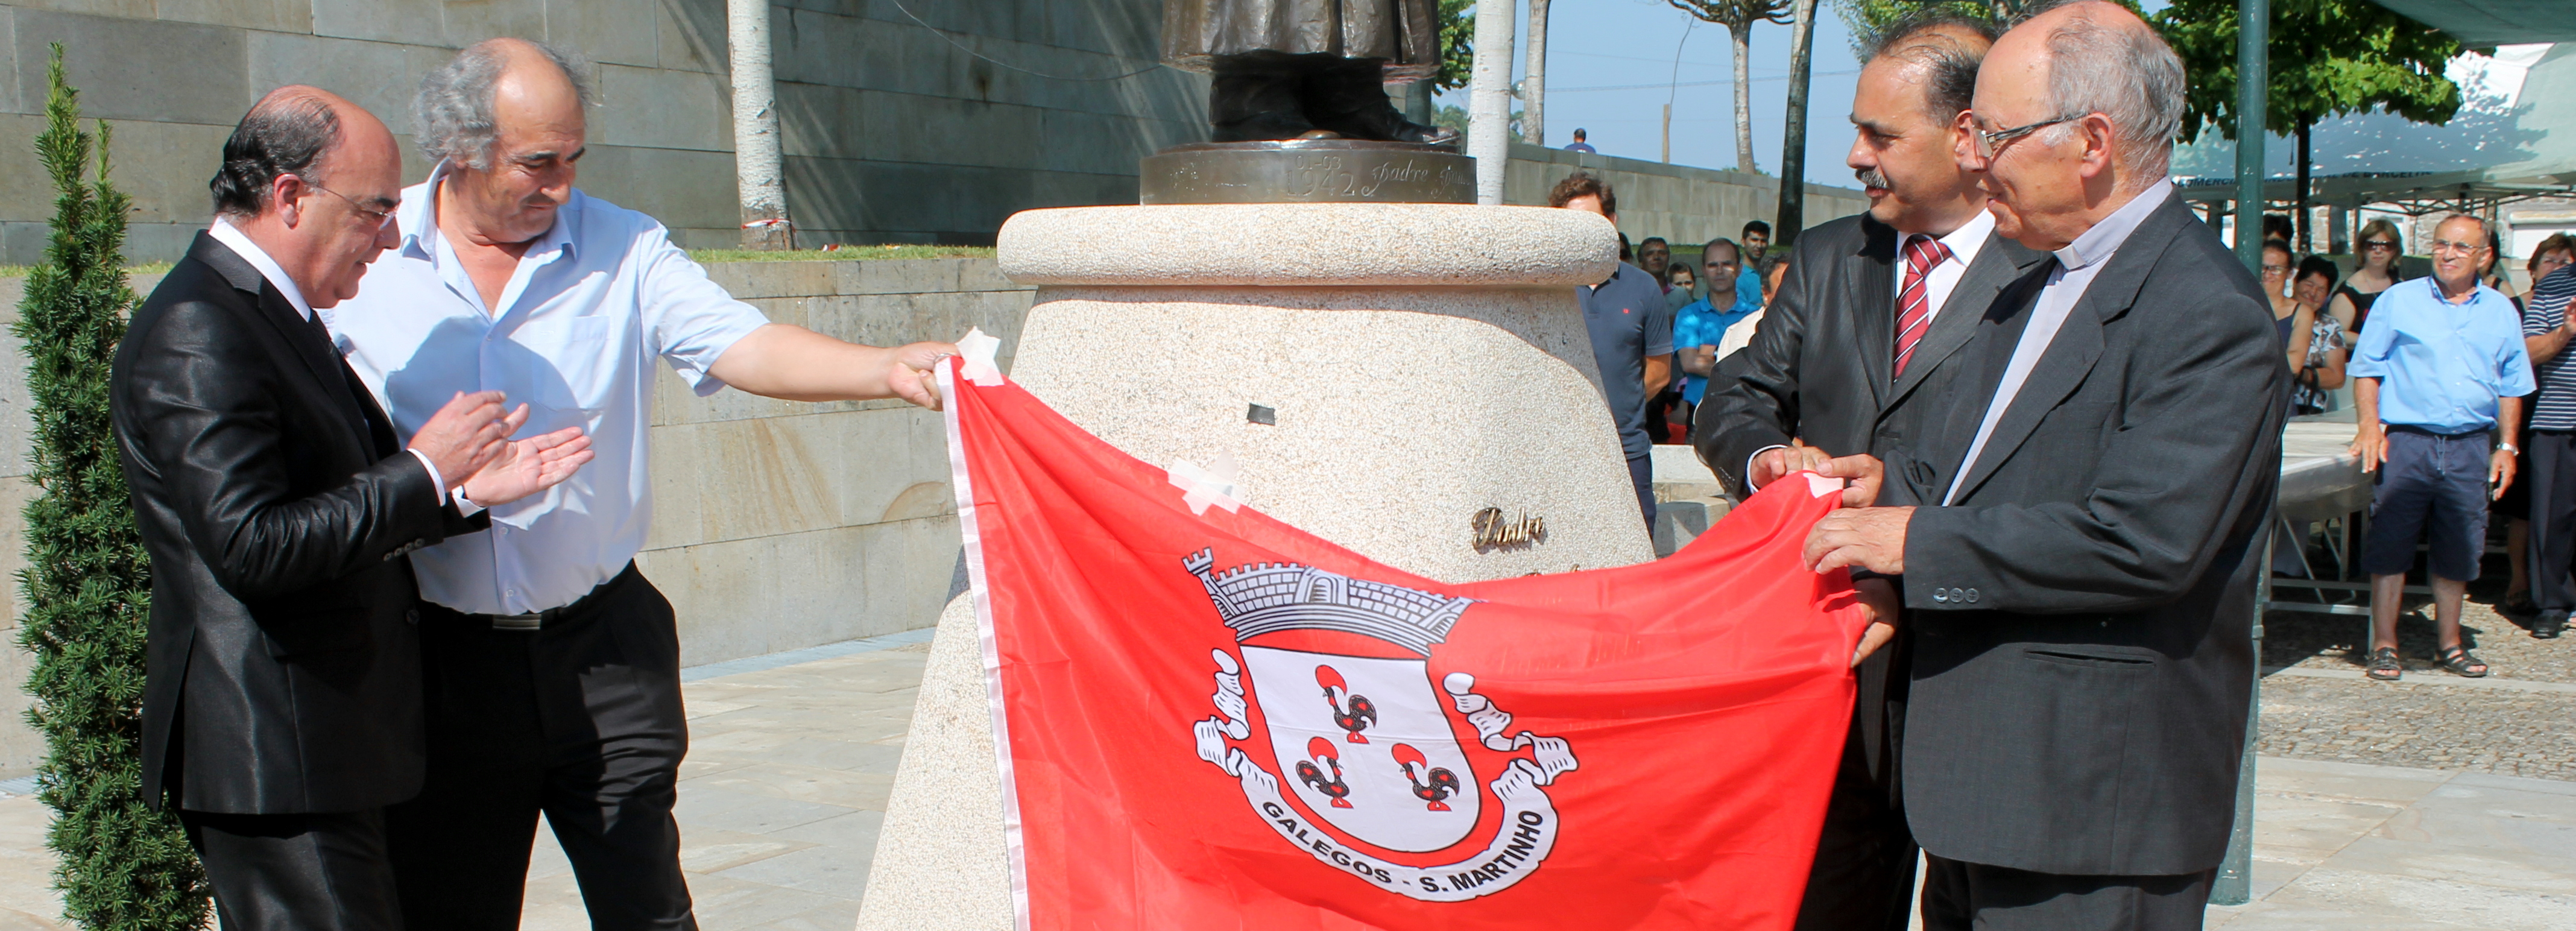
282, 697
1862, 337
2078, 535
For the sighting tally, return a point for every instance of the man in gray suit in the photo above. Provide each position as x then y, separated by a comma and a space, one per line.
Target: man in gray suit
2077, 538
1863, 335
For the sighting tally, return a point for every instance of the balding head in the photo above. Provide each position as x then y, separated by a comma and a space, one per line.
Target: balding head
297, 130
312, 179
506, 116
465, 105
2094, 57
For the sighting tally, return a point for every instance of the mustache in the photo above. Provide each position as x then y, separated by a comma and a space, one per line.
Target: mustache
1871, 177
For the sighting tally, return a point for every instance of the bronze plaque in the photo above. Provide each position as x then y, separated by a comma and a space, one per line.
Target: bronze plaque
1494, 532
1309, 171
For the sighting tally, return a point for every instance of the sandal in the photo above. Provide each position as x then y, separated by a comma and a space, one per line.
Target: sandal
2459, 662
2384, 665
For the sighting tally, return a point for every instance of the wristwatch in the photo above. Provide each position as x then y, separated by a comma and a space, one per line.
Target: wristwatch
2508, 447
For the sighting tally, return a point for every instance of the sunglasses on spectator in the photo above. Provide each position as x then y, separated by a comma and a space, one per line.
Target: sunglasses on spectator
2374, 244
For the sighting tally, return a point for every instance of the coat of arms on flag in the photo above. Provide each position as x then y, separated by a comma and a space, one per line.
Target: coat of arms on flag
1376, 764
1207, 719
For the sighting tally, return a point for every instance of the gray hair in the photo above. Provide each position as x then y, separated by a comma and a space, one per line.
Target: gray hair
452, 113
2128, 75
1949, 66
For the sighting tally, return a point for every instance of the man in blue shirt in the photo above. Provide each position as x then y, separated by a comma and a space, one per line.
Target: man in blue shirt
1757, 243
1632, 337
1702, 323
2444, 365
1578, 145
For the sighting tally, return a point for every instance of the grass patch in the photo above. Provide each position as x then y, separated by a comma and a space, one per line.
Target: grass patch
844, 254
147, 268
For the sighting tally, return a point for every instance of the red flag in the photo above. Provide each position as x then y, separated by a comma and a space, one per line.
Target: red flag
1213, 720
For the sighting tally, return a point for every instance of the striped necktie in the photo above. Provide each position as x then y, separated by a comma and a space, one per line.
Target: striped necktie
1914, 302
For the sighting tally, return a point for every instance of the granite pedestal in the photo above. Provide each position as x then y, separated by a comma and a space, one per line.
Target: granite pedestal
1382, 373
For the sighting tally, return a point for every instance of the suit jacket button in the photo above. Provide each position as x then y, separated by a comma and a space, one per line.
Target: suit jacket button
412, 616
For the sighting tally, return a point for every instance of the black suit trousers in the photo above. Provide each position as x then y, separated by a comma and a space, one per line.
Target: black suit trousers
1960, 896
580, 721
299, 872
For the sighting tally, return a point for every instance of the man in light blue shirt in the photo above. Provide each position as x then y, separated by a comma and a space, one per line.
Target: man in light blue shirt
2441, 364
1701, 324
552, 666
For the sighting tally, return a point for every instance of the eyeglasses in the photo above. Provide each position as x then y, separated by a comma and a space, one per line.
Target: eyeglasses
381, 217
2377, 244
2444, 246
1990, 145
2276, 269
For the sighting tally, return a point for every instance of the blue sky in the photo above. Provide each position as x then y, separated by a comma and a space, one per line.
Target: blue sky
1627, 43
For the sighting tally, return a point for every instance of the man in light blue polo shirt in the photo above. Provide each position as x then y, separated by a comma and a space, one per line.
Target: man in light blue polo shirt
2442, 363
552, 665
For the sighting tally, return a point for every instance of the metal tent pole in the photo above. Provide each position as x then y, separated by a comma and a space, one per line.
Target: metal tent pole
2235, 881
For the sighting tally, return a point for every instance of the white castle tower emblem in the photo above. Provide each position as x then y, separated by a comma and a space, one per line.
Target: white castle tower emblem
1360, 735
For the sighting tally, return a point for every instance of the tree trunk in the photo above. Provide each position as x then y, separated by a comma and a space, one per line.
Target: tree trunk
1742, 33
1534, 77
2307, 243
758, 176
1489, 99
1793, 155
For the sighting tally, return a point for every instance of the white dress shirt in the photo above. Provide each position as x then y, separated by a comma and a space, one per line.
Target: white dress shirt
2077, 265
232, 237
1964, 244
591, 305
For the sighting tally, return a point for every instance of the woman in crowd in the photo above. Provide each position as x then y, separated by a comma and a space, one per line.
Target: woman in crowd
2319, 365
2291, 317
2380, 247
2553, 253
2489, 273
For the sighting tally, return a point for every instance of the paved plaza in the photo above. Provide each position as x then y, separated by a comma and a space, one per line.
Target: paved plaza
792, 755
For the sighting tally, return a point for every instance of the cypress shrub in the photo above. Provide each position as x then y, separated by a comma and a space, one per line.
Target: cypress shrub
87, 588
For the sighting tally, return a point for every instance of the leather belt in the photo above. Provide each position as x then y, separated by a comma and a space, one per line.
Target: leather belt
531, 623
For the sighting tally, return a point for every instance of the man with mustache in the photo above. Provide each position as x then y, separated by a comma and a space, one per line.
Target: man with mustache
553, 667
1867, 325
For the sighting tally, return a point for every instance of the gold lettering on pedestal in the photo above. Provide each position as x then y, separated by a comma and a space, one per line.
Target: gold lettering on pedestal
1492, 532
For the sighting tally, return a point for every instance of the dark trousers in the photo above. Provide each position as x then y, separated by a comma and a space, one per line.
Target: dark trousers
1959, 896
2552, 481
1641, 473
581, 721
1863, 876
2432, 488
324, 872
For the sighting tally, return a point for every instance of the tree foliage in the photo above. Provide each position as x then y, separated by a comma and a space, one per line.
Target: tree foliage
2327, 58
1457, 44
120, 865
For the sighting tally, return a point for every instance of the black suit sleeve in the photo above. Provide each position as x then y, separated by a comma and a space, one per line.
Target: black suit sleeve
1752, 398
207, 415
2178, 465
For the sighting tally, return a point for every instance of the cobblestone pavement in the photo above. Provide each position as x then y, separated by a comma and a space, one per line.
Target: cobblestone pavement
2515, 722
2427, 725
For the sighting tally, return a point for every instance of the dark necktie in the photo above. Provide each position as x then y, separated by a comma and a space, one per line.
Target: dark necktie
1914, 301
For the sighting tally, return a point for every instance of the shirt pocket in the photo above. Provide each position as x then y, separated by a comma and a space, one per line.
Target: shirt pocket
569, 369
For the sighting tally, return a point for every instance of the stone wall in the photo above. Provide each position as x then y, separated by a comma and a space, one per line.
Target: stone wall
892, 132
1685, 205
776, 524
